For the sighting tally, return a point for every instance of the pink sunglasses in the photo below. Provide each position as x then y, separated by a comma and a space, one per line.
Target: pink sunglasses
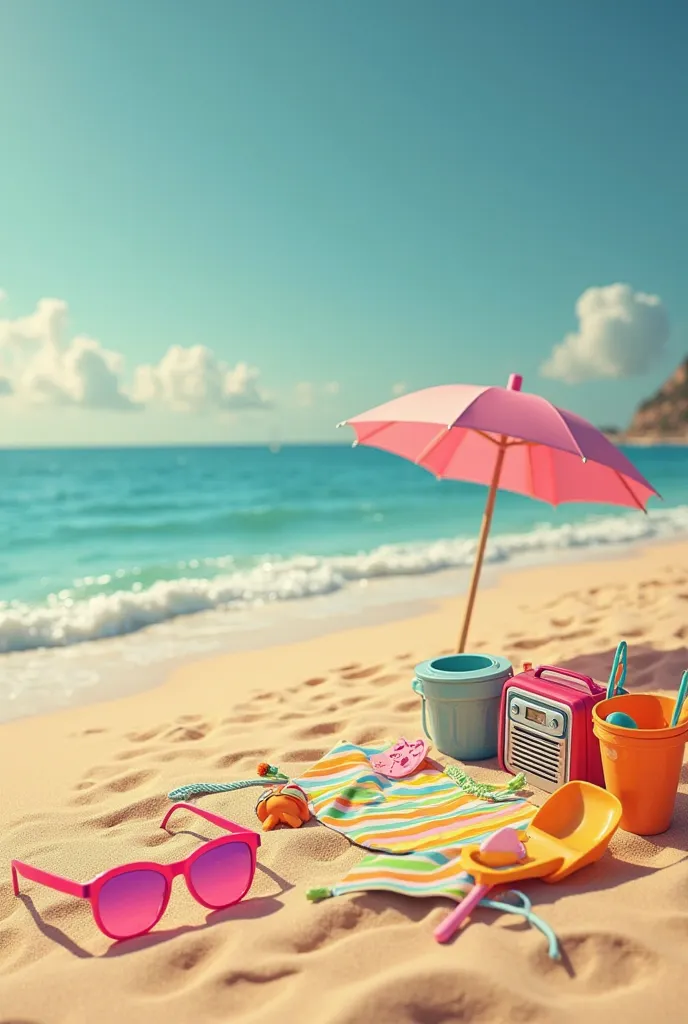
130, 900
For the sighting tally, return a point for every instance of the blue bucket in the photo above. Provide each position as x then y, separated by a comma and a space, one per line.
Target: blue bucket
461, 696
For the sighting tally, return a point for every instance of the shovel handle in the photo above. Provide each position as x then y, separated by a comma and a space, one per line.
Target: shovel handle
453, 921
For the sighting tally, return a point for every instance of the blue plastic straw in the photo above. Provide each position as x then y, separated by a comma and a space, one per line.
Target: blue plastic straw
682, 691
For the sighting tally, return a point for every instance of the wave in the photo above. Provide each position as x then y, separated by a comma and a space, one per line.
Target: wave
64, 620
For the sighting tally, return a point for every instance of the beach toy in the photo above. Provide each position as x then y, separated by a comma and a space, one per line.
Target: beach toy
502, 848
287, 805
402, 759
680, 698
642, 766
572, 829
619, 718
460, 703
545, 728
617, 676
485, 790
267, 773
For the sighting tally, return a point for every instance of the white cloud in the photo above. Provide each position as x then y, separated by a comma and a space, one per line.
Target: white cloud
399, 388
41, 369
195, 380
39, 366
3, 294
620, 334
332, 387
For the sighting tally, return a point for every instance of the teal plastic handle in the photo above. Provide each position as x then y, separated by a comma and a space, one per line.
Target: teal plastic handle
417, 686
682, 690
615, 689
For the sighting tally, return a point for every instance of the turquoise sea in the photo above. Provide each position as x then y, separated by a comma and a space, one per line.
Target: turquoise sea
102, 542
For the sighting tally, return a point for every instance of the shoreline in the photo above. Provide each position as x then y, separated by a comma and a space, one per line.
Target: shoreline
424, 615
47, 680
85, 789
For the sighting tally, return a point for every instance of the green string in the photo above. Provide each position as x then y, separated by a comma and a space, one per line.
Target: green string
203, 788
483, 789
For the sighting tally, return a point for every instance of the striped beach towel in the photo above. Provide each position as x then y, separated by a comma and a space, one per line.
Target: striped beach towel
415, 826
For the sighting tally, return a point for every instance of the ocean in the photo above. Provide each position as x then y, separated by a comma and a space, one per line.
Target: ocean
100, 543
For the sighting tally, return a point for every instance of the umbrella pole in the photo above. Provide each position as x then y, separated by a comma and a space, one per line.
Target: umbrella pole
482, 541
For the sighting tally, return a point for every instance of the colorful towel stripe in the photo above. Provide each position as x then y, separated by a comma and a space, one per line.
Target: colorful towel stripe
424, 812
416, 825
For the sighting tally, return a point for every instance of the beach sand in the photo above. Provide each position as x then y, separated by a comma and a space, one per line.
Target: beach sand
85, 789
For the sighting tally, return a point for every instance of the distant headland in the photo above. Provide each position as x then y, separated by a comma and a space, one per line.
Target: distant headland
662, 418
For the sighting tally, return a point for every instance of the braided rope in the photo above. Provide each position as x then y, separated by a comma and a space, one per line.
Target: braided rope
483, 789
267, 774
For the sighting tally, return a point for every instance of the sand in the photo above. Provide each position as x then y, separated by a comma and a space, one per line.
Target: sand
85, 789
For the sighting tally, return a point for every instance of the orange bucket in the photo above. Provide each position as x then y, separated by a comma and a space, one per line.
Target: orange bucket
642, 766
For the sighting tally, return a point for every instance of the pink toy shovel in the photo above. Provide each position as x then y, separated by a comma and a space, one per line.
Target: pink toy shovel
500, 860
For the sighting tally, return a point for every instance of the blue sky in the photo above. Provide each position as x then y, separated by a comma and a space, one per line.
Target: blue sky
344, 197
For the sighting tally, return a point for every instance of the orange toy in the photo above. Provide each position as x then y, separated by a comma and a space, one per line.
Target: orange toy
286, 805
642, 766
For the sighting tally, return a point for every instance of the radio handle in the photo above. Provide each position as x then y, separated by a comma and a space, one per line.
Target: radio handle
575, 677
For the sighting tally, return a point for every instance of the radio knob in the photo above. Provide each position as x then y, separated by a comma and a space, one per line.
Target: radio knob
516, 708
555, 723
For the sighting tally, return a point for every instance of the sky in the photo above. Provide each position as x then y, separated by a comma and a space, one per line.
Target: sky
238, 222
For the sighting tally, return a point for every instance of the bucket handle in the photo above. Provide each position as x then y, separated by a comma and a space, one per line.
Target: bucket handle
417, 687
574, 676
617, 676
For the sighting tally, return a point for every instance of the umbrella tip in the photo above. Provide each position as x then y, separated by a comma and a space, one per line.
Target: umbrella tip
515, 382
342, 424
584, 458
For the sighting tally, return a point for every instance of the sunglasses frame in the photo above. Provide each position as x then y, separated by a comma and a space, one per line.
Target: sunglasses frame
91, 890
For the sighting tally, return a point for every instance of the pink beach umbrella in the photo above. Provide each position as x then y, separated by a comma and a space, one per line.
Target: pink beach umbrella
502, 437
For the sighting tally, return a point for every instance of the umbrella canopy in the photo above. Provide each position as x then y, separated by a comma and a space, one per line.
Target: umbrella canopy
503, 437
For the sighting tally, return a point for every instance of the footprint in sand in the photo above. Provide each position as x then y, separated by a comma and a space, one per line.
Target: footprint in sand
129, 755
601, 962
385, 680
146, 734
528, 644
315, 681
435, 995
148, 809
238, 991
321, 729
188, 733
305, 755
90, 794
229, 760
178, 965
362, 673
181, 754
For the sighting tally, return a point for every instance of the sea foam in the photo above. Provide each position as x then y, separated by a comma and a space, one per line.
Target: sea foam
64, 620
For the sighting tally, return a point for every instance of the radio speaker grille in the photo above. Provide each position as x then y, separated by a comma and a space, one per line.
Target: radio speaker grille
536, 754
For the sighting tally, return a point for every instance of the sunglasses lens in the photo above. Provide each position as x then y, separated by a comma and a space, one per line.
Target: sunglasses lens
222, 876
131, 903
